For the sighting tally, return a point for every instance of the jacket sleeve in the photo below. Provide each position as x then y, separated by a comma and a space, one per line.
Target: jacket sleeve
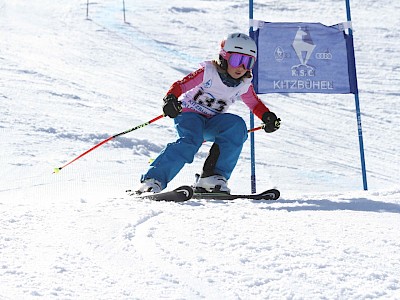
187, 83
255, 104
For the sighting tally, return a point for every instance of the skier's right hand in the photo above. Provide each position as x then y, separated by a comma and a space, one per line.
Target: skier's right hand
172, 107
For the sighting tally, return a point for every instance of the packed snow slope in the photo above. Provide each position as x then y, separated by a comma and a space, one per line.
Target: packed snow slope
67, 82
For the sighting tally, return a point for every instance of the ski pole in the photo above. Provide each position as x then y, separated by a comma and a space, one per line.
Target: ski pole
256, 128
56, 170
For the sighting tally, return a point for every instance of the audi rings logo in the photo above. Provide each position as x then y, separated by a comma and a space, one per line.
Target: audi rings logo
323, 55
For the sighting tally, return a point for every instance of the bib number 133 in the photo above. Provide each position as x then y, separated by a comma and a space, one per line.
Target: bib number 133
208, 100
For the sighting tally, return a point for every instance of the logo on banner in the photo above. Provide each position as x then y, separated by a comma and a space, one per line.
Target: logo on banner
303, 46
279, 54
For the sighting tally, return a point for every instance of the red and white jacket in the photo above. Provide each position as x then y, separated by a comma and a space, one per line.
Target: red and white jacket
205, 93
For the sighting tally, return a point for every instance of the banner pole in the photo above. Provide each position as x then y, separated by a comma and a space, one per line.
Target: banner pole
252, 145
358, 114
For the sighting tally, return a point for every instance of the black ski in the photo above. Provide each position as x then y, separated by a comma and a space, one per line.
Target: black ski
184, 193
271, 194
180, 194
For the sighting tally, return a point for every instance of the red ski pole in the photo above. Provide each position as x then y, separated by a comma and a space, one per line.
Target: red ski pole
56, 170
255, 128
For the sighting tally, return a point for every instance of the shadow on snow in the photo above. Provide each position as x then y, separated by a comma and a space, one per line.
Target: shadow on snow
359, 204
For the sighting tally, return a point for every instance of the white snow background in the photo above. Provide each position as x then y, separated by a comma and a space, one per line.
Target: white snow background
67, 83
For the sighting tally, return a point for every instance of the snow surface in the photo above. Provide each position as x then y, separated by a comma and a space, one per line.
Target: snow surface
67, 83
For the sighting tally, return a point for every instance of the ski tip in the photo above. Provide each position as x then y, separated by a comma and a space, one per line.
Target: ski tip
180, 194
276, 193
185, 190
272, 194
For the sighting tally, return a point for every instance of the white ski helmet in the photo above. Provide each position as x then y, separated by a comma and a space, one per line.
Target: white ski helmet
239, 43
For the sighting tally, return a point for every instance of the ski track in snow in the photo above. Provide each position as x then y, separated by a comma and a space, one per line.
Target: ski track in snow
170, 268
67, 83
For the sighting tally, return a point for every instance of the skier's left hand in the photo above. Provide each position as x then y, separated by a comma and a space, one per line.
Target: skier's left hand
271, 122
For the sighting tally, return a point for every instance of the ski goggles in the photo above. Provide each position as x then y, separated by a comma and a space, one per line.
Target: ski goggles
238, 59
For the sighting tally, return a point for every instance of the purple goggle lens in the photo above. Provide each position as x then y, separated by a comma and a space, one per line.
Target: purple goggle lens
237, 59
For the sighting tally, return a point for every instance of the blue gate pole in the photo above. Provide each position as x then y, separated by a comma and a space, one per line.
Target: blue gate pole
358, 112
252, 146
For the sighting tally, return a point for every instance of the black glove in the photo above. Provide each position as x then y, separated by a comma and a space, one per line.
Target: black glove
172, 107
271, 122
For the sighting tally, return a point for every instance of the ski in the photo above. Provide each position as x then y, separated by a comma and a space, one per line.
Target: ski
185, 193
180, 194
272, 194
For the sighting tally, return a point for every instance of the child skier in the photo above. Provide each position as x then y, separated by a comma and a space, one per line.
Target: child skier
201, 114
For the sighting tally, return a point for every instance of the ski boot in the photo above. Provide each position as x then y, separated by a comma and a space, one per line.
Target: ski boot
211, 184
149, 185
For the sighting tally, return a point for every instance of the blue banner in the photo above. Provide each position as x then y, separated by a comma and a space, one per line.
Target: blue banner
304, 58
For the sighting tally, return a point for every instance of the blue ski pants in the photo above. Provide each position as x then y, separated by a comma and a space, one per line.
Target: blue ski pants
227, 130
